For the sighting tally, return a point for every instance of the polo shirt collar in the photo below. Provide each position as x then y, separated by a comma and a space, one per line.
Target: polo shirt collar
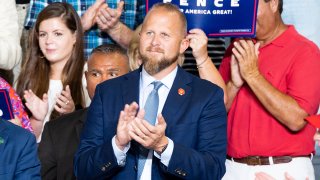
282, 40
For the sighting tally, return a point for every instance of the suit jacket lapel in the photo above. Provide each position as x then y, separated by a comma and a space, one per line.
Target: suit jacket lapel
130, 87
80, 122
130, 92
179, 93
78, 129
3, 136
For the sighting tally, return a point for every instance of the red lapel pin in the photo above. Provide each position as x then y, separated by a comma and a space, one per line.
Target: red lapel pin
181, 91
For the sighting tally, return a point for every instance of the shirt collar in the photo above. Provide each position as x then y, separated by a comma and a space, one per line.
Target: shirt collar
147, 79
282, 40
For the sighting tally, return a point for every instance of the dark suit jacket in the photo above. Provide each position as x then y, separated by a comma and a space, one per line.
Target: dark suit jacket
196, 122
59, 142
18, 153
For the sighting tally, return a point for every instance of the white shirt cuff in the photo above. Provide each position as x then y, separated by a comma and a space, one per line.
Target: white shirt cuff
120, 155
166, 155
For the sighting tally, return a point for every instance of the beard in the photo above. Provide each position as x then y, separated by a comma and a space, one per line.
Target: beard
153, 65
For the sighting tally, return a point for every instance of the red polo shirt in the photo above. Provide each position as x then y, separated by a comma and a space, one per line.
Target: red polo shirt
291, 63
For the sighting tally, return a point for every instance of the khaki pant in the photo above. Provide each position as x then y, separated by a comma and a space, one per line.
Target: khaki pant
298, 168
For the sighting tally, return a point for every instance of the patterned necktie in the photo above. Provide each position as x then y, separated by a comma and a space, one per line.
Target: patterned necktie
151, 109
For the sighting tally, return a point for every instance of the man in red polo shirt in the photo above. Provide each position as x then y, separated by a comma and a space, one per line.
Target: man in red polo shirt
272, 85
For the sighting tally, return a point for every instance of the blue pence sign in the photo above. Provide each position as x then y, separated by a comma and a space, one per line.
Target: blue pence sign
218, 18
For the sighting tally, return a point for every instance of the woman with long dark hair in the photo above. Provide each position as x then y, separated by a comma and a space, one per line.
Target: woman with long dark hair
51, 78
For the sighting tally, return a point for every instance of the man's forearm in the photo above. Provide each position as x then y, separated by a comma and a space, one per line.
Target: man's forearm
121, 34
209, 72
282, 106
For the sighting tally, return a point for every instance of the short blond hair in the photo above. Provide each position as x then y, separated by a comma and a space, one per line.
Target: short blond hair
171, 8
133, 50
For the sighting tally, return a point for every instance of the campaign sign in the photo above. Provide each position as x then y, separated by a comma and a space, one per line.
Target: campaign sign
218, 18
